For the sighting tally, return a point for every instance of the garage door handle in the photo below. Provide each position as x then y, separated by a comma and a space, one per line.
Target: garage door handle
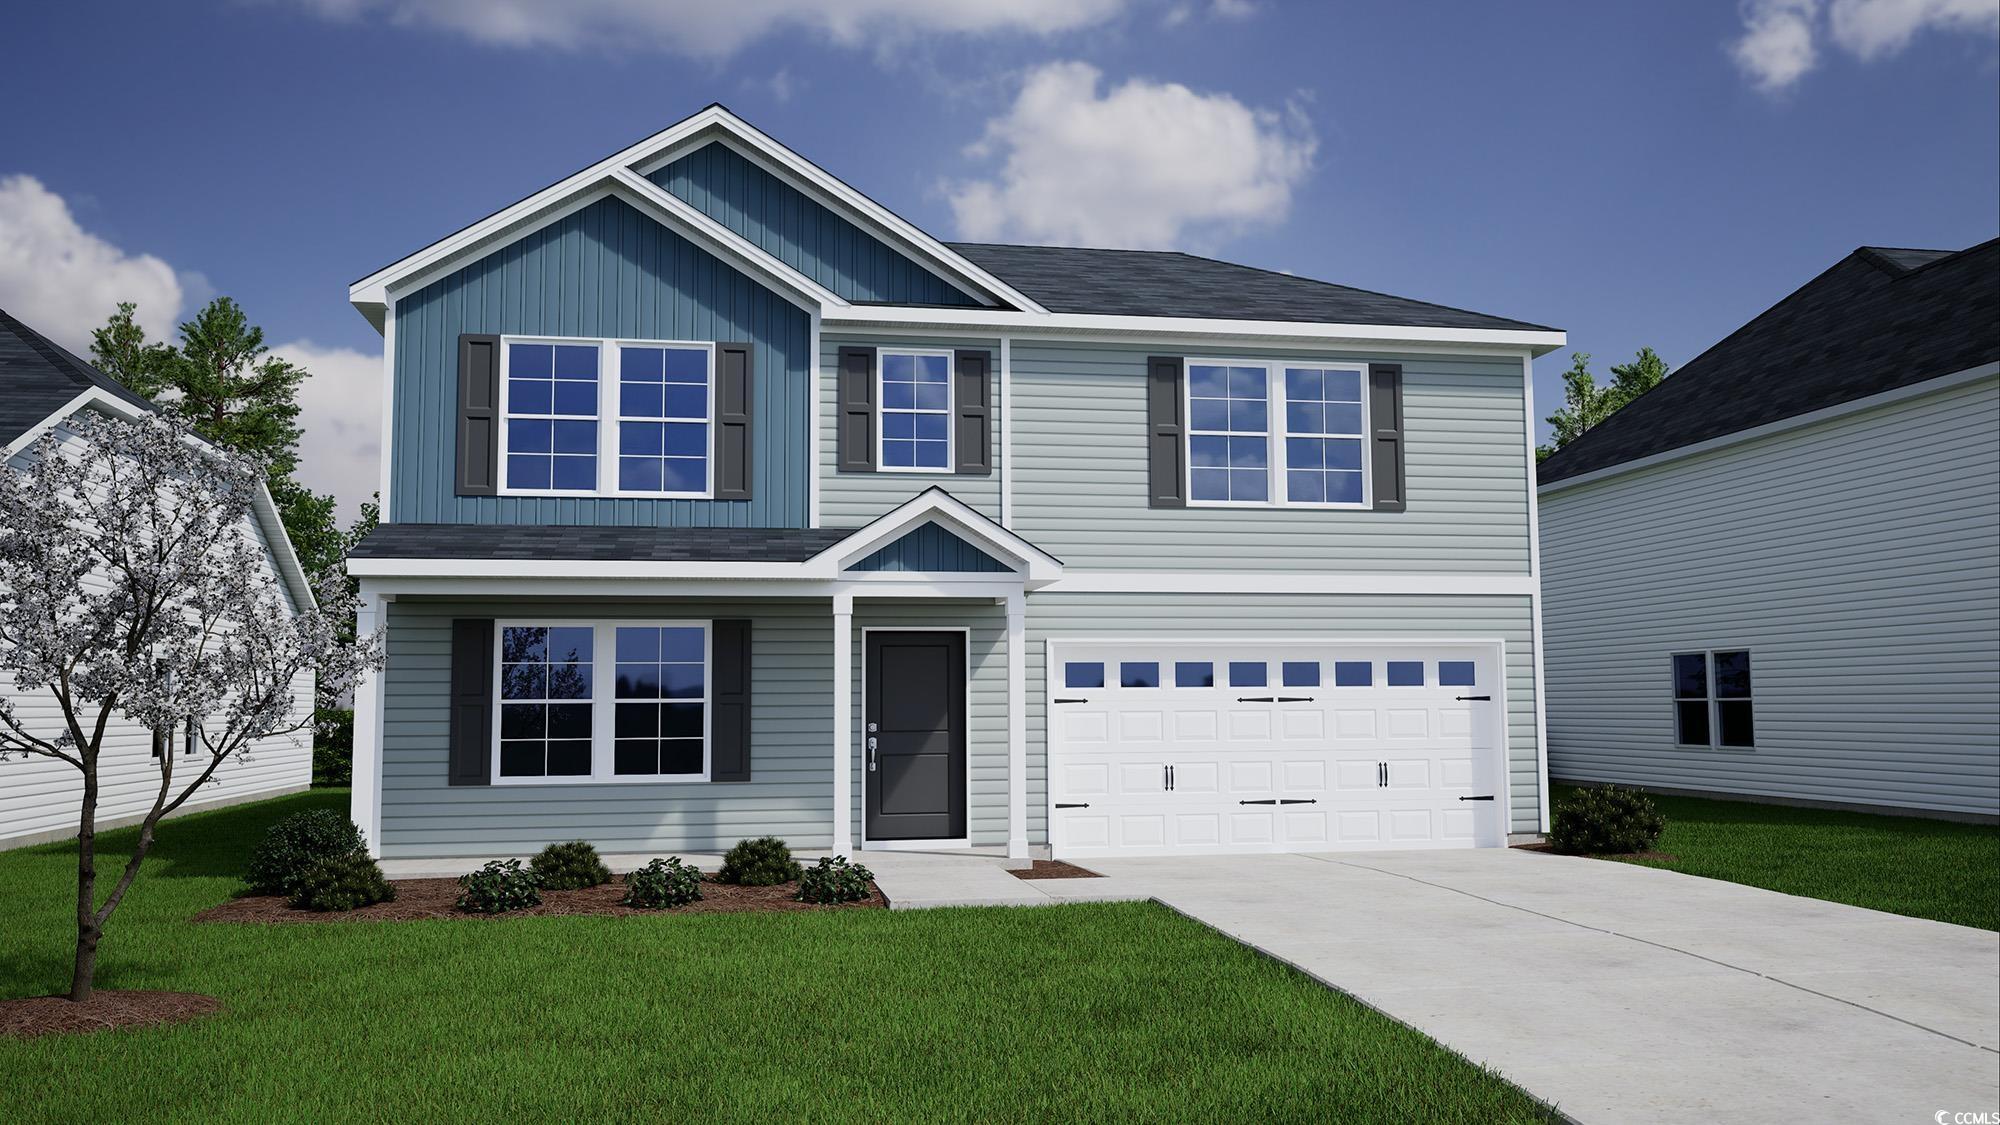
1060, 805
1072, 701
1268, 801
1481, 698
1487, 797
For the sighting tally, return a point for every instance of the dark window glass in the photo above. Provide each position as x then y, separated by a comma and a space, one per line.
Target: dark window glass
1247, 673
569, 758
1732, 675
545, 682
1732, 718
1194, 673
1692, 720
636, 755
1455, 673
1690, 676
1139, 673
521, 759
1353, 673
1406, 673
1083, 674
1300, 673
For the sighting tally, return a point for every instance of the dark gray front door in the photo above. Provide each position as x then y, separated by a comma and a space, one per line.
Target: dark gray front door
913, 736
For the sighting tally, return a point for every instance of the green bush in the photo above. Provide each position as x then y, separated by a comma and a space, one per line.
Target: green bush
342, 883
1605, 820
568, 867
296, 844
763, 862
833, 879
333, 747
662, 883
498, 887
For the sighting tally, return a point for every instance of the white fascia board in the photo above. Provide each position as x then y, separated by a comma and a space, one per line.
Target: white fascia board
1285, 582
89, 396
935, 505
560, 570
992, 321
282, 552
1796, 422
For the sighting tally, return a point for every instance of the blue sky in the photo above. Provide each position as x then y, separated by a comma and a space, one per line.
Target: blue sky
1635, 173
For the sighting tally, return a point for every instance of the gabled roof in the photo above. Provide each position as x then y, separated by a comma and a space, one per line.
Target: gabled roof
39, 377
1877, 320
1169, 283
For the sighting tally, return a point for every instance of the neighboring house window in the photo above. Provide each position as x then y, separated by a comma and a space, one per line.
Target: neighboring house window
916, 411
1271, 434
1712, 700
607, 418
562, 720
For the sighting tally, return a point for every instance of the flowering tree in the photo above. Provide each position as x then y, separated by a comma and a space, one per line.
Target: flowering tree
132, 587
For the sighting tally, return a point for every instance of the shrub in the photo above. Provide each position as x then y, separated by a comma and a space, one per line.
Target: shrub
296, 844
1605, 820
833, 879
569, 867
662, 883
498, 887
342, 883
763, 862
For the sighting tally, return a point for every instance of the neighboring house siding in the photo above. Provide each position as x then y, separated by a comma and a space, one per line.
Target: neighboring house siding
1291, 616
1858, 560
852, 499
789, 794
606, 271
736, 192
41, 799
1080, 472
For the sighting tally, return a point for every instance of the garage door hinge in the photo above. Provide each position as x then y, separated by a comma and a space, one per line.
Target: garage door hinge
1295, 699
1481, 698
1299, 801
1487, 797
1256, 699
1072, 701
1267, 801
1060, 805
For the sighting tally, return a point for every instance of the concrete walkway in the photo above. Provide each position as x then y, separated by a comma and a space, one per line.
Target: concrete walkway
1624, 993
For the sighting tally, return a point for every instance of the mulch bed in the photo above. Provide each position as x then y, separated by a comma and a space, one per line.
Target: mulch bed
1658, 857
1053, 869
54, 1015
438, 898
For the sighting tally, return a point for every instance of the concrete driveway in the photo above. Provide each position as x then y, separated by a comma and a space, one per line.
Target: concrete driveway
1624, 993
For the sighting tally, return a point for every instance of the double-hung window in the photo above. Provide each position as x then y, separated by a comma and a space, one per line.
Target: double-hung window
1276, 434
1712, 705
602, 701
607, 418
915, 394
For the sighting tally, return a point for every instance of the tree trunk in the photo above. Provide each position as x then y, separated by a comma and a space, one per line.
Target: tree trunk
87, 929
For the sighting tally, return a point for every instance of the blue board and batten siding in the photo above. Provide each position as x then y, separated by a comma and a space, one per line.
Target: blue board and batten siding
606, 271
931, 549
729, 188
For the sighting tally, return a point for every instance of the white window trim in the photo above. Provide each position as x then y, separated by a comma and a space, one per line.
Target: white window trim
604, 701
882, 411
1276, 432
1711, 699
610, 413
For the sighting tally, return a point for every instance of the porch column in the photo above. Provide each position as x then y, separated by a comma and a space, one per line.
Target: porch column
1017, 725
365, 802
843, 724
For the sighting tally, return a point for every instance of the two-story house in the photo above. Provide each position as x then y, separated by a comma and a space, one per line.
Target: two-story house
720, 501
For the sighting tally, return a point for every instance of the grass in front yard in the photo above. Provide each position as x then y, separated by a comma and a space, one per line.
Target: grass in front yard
1085, 1012
1904, 865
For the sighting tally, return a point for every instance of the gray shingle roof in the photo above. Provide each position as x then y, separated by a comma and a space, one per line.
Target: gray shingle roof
559, 543
38, 377
1876, 320
1169, 283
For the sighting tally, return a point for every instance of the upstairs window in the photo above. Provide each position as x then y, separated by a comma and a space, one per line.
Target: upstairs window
916, 411
1276, 435
607, 418
665, 400
1712, 699
551, 431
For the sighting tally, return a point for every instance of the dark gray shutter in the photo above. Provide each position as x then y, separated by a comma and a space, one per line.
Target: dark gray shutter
729, 700
972, 373
1166, 432
478, 452
472, 671
1385, 448
856, 435
733, 381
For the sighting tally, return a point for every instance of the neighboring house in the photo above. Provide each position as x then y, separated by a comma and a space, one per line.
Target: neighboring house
42, 387
719, 501
1777, 574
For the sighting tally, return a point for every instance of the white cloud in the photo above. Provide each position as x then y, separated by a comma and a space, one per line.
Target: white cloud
340, 410
717, 28
63, 281
1781, 38
1145, 164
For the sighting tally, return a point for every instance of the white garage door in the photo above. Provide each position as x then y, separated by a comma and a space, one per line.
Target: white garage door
1273, 746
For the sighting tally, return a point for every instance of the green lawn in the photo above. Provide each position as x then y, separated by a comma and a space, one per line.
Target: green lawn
1905, 865
1085, 1012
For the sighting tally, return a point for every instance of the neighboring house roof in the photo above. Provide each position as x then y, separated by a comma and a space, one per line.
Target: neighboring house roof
595, 544
38, 377
1170, 283
1877, 320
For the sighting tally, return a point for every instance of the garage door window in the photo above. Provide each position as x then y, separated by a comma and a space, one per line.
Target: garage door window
1194, 673
1247, 673
1301, 673
1455, 673
1406, 673
1143, 673
1081, 674
1353, 673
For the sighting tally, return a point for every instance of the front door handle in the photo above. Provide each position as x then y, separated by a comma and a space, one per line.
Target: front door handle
871, 755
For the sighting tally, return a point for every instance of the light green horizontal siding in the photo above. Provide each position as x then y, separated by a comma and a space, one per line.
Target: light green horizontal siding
852, 499
1857, 559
